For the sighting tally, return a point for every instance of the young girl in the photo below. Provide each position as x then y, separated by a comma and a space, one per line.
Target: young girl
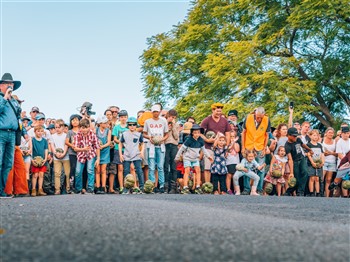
218, 168
73, 130
330, 165
278, 163
249, 163
315, 163
104, 135
232, 160
191, 156
40, 148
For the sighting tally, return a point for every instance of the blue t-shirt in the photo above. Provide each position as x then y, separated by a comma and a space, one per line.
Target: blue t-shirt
118, 130
39, 147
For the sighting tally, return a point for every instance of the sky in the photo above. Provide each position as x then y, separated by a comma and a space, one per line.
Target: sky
68, 52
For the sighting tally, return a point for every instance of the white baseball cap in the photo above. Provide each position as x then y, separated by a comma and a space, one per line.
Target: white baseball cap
101, 119
155, 108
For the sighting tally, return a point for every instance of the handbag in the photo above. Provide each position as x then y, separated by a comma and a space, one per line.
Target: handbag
19, 129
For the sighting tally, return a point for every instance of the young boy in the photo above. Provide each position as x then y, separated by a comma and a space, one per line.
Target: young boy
60, 156
116, 133
40, 148
296, 161
87, 147
191, 156
132, 143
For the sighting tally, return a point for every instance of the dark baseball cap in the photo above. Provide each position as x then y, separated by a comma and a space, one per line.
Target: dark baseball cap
292, 131
345, 129
233, 113
122, 113
51, 126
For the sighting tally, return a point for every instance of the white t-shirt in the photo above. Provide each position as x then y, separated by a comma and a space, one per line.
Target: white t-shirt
59, 141
342, 147
155, 127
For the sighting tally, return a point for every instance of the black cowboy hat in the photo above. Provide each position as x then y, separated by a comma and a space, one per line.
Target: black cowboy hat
197, 127
7, 77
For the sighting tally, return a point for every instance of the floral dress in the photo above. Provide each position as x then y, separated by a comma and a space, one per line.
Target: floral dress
219, 164
277, 166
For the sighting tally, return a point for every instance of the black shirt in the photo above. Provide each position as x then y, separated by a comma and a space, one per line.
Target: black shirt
295, 149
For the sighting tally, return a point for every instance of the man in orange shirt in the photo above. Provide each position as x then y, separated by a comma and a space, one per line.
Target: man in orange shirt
255, 137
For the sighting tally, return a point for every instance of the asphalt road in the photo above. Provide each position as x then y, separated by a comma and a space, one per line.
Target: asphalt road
174, 228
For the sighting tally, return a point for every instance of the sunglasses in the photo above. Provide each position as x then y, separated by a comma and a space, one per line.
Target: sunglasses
219, 107
132, 124
114, 112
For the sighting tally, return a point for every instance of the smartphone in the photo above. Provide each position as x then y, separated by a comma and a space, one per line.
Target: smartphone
10, 89
291, 105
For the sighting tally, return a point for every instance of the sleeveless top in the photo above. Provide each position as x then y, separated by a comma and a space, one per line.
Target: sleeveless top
103, 138
329, 159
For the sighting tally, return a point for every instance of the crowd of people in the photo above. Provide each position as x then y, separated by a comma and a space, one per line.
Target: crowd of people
220, 154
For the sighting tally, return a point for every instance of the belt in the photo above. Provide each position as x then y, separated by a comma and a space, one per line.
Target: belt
7, 130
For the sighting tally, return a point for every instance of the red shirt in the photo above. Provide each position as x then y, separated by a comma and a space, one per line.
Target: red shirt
209, 124
81, 141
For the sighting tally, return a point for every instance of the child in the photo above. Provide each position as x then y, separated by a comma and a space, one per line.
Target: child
218, 168
104, 135
250, 165
191, 156
296, 161
278, 163
232, 159
315, 163
60, 156
26, 149
73, 130
40, 148
117, 132
88, 152
132, 143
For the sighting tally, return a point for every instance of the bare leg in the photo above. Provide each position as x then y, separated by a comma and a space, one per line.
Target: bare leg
228, 181
207, 175
317, 184
197, 178
311, 184
186, 175
103, 174
41, 180
120, 176
279, 189
328, 179
111, 183
98, 176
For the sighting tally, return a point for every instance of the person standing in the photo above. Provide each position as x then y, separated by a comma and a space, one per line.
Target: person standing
10, 112
156, 130
171, 145
218, 124
255, 137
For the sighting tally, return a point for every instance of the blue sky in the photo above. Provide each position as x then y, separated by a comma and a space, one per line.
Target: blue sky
69, 52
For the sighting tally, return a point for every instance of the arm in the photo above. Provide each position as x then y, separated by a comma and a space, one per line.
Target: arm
165, 137
273, 160
228, 138
283, 168
291, 165
244, 133
108, 140
205, 152
290, 120
180, 152
46, 154
307, 148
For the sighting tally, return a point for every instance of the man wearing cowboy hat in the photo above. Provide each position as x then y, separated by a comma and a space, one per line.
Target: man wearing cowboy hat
9, 113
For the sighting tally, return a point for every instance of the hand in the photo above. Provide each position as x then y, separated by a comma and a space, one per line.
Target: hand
121, 158
142, 155
245, 170
8, 93
263, 153
311, 153
290, 110
86, 149
291, 175
97, 162
211, 140
211, 159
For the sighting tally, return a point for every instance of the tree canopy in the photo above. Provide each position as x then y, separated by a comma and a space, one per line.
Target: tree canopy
249, 53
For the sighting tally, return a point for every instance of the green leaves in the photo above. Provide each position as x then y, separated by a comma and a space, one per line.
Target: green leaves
251, 53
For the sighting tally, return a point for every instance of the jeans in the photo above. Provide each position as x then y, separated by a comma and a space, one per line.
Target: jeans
79, 174
138, 169
249, 175
260, 173
7, 153
170, 172
159, 160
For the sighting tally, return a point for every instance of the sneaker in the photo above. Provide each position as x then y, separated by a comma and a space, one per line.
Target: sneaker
121, 190
198, 191
6, 196
260, 192
229, 192
22, 195
300, 194
125, 191
136, 190
156, 190
77, 192
318, 194
172, 191
185, 191
90, 191
162, 190
245, 192
102, 190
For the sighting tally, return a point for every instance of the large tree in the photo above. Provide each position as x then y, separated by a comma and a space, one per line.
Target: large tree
249, 53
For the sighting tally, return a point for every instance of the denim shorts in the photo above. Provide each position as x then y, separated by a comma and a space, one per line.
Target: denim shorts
27, 159
330, 167
188, 163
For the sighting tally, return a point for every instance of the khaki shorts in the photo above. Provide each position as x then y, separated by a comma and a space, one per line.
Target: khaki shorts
207, 163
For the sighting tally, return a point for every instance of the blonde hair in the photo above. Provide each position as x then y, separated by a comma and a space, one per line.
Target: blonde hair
248, 152
36, 128
314, 131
